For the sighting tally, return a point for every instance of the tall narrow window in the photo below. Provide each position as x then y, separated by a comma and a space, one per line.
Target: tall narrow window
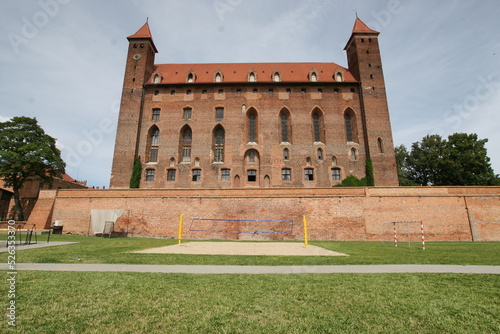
309, 174
251, 77
190, 78
338, 77
317, 133
276, 77
154, 142
187, 138
251, 128
354, 154
219, 144
150, 174
156, 114
157, 79
380, 145
320, 154
348, 127
219, 113
251, 157
286, 154
286, 174
284, 127
314, 77
187, 113
218, 77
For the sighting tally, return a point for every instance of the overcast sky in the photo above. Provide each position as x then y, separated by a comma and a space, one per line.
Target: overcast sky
62, 61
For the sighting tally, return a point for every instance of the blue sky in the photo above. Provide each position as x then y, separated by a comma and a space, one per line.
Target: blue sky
63, 60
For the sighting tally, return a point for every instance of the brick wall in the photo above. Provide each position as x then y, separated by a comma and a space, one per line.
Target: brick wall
465, 213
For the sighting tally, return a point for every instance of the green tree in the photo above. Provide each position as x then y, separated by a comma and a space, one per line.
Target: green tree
425, 160
135, 178
467, 162
27, 152
370, 177
352, 181
404, 168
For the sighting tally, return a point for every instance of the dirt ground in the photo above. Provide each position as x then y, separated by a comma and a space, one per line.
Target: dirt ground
243, 248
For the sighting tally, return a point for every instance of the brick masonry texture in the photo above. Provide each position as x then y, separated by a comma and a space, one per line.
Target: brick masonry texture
456, 213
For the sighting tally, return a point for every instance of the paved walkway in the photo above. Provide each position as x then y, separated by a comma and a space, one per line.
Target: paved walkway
201, 269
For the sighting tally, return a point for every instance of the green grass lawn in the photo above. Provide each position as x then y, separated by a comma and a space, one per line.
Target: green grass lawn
118, 250
74, 302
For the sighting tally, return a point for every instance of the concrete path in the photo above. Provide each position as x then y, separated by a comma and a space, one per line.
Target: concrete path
202, 269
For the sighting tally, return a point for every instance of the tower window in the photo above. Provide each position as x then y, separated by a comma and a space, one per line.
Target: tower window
335, 174
156, 114
196, 175
219, 145
286, 154
348, 127
284, 128
286, 174
251, 128
187, 137
354, 154
187, 113
320, 154
219, 113
309, 174
251, 157
380, 145
316, 121
252, 175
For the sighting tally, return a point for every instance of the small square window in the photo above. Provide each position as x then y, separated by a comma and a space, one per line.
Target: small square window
225, 174
309, 174
336, 90
271, 91
252, 175
320, 90
153, 155
255, 90
353, 90
221, 91
303, 90
189, 92
150, 175
172, 92
196, 175
171, 175
288, 90
219, 113
238, 91
204, 91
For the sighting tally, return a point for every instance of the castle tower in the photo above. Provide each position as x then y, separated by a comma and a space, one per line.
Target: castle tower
139, 67
365, 64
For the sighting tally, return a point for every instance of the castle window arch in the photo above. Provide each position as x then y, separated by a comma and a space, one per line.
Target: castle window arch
313, 77
252, 77
153, 144
320, 154
380, 145
285, 126
286, 154
276, 77
218, 143
318, 126
252, 126
338, 77
218, 77
191, 77
185, 142
350, 123
157, 79
354, 154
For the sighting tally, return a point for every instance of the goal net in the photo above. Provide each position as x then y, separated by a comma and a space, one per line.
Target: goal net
404, 234
249, 226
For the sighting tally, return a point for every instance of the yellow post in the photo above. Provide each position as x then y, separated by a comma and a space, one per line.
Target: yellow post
179, 236
305, 231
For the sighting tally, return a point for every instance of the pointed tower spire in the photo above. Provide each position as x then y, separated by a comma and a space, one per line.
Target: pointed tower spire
361, 28
144, 33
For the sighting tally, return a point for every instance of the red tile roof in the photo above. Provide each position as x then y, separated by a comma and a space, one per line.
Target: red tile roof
361, 27
239, 72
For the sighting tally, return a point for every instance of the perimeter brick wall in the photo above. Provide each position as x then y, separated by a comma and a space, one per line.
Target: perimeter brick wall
462, 213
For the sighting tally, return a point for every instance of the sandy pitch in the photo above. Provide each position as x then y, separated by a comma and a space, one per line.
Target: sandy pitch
243, 248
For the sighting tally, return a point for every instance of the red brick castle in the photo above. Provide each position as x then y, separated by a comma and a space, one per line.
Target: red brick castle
238, 125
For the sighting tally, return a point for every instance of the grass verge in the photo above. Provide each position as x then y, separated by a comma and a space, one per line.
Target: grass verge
118, 250
72, 302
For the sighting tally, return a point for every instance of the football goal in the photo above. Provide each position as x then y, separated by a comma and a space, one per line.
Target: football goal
405, 233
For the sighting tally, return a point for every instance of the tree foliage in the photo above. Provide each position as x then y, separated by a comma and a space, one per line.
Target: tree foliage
461, 160
27, 152
135, 178
352, 181
370, 177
